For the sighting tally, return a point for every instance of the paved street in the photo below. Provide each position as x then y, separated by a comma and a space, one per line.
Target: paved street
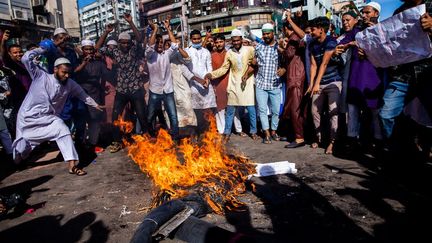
329, 199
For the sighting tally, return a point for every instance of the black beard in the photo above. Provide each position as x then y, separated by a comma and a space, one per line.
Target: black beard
60, 81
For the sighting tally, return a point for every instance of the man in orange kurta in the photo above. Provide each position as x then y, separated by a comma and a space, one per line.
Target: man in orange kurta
220, 86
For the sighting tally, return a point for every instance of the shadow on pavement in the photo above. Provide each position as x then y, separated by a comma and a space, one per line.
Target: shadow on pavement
298, 213
397, 189
49, 229
24, 189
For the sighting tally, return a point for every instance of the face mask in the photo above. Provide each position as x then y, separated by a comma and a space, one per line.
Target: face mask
196, 46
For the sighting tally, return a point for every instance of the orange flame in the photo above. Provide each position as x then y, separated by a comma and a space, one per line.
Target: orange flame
204, 166
125, 126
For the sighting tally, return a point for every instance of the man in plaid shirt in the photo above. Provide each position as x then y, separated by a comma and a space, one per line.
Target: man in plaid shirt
268, 84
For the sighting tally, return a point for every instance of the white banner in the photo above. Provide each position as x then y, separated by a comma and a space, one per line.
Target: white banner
397, 40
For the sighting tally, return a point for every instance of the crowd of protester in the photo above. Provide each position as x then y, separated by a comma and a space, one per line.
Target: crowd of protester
306, 85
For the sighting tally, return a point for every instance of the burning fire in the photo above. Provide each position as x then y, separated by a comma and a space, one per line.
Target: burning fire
204, 168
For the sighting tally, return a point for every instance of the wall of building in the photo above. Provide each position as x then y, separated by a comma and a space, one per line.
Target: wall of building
94, 17
38, 18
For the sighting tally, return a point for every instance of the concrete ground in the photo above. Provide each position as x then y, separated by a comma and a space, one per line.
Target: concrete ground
330, 199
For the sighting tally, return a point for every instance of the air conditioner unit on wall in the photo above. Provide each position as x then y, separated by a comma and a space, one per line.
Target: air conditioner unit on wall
198, 12
20, 14
41, 19
223, 9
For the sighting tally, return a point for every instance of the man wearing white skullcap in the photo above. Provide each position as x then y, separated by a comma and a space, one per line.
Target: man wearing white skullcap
112, 44
56, 48
90, 74
38, 118
268, 83
240, 88
371, 13
129, 85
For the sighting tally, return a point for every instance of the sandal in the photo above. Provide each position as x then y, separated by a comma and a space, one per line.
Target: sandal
115, 147
275, 137
267, 140
242, 134
254, 136
77, 171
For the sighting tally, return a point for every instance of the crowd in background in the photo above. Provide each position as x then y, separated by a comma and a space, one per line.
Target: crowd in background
307, 85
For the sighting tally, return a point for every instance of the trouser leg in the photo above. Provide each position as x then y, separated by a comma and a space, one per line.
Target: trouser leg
67, 148
252, 119
230, 112
6, 141
170, 107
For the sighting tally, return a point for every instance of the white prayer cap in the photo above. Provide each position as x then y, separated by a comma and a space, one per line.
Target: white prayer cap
124, 36
61, 61
375, 5
267, 28
60, 31
236, 32
112, 42
248, 40
87, 43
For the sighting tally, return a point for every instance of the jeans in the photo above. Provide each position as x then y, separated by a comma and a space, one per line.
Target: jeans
394, 101
169, 104
230, 112
221, 117
137, 100
355, 119
263, 97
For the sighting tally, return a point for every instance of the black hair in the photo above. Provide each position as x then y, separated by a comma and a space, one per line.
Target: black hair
219, 37
350, 13
320, 22
195, 32
31, 45
158, 38
13, 46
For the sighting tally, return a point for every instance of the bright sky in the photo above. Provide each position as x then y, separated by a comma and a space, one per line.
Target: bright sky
82, 3
388, 7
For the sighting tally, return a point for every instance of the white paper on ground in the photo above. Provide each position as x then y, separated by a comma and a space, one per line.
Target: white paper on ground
397, 40
275, 168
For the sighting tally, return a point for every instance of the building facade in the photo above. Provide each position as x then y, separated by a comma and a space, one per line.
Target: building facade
221, 16
95, 16
32, 20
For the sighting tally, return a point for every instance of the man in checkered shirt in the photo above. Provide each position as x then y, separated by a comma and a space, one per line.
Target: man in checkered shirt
268, 84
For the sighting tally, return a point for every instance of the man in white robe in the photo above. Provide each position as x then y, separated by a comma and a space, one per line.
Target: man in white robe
38, 117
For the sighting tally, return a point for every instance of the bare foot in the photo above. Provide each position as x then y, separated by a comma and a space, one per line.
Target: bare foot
314, 145
329, 149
